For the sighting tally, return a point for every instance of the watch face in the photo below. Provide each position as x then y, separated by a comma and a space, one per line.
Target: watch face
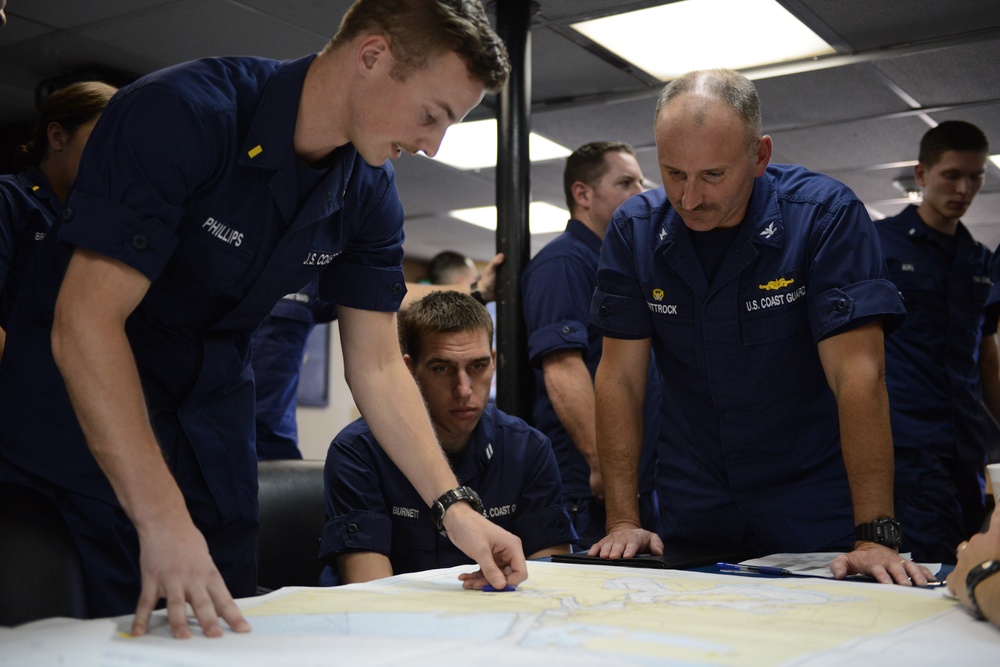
884, 530
891, 535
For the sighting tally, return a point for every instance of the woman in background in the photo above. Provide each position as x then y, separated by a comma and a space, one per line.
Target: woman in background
31, 200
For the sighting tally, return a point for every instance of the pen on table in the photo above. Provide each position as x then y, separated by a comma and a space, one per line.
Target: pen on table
752, 569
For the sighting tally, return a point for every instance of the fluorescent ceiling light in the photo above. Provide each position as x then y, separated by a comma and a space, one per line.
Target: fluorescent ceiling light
473, 145
995, 159
545, 218
672, 39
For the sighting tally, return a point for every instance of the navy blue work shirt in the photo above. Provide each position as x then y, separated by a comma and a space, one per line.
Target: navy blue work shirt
932, 360
372, 507
279, 345
190, 177
750, 446
557, 285
28, 207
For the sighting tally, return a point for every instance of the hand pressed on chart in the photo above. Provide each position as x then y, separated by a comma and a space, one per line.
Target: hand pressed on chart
177, 566
882, 564
498, 553
625, 542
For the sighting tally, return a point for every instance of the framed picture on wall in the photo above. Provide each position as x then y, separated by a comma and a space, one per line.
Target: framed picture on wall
314, 380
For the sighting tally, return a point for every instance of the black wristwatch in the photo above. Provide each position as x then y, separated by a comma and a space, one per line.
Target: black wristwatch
476, 294
975, 577
883, 530
449, 498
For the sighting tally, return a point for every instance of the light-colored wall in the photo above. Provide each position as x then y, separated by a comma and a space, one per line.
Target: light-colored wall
317, 426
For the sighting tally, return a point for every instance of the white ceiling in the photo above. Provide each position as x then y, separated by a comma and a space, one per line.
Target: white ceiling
859, 116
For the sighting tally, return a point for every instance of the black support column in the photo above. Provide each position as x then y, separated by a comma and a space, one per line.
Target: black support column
515, 381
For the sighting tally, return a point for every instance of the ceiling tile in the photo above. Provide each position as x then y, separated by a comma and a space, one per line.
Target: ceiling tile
201, 28
69, 15
552, 80
825, 96
322, 16
873, 24
628, 121
953, 75
848, 145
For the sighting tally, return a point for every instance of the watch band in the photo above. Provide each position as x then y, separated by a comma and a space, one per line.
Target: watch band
475, 293
976, 576
449, 498
884, 530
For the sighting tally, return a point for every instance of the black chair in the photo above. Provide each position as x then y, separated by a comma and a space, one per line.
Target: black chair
290, 499
40, 571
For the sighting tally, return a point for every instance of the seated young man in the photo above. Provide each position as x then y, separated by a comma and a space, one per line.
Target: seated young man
377, 524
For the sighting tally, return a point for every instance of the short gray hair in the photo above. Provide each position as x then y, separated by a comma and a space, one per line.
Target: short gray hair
733, 88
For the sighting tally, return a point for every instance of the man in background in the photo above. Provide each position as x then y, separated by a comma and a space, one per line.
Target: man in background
451, 268
565, 348
941, 364
376, 523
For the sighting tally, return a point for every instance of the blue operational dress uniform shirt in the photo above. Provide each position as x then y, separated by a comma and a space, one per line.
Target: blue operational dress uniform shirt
940, 428
749, 448
28, 207
191, 178
279, 345
370, 505
558, 284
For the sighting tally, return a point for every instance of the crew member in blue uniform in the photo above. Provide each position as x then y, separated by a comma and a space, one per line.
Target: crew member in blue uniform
565, 348
942, 363
377, 524
279, 345
762, 290
210, 190
31, 200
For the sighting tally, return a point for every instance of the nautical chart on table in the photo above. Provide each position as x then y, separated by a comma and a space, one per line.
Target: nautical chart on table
573, 615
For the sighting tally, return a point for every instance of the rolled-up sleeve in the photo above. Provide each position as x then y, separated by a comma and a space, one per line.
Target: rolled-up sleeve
357, 518
848, 282
618, 308
148, 153
555, 309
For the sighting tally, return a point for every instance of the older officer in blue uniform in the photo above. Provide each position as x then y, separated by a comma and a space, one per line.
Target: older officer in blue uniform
941, 366
377, 524
763, 293
208, 192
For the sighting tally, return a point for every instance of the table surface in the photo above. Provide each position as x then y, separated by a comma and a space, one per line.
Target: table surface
573, 615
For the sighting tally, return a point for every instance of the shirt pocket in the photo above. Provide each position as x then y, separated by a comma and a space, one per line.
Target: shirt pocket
912, 284
673, 319
218, 255
923, 300
414, 545
772, 315
979, 291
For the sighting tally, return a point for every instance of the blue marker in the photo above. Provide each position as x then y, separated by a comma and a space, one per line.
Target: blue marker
752, 569
489, 589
